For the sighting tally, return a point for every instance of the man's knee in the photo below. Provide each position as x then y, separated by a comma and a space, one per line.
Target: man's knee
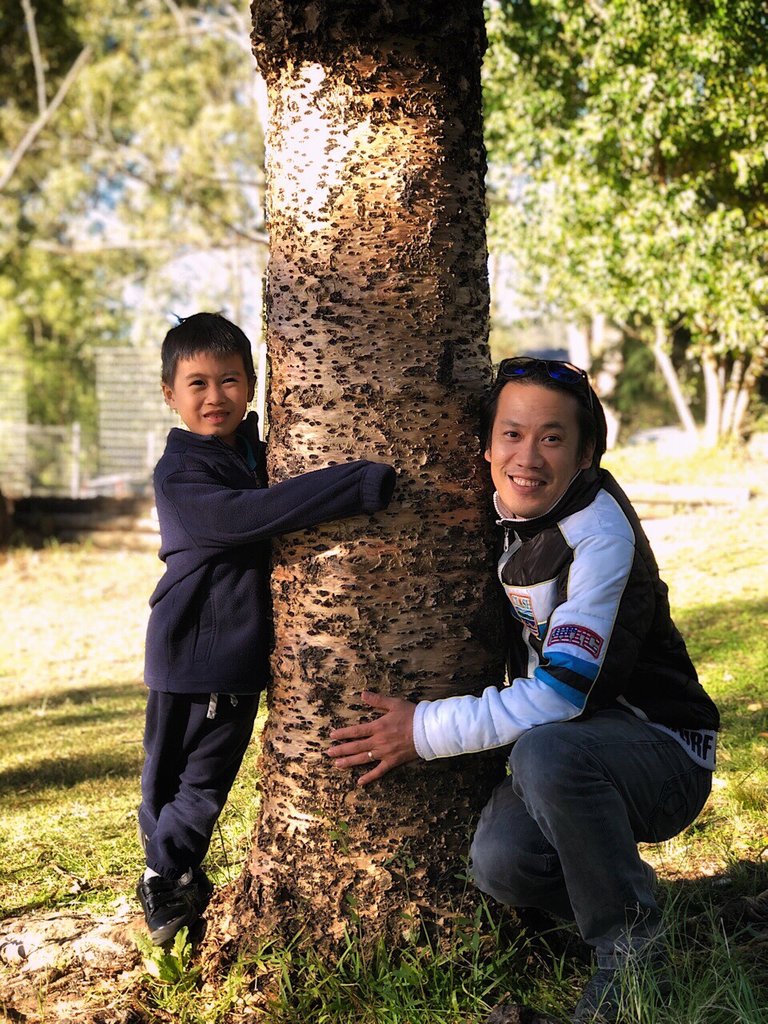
509, 864
544, 759
490, 861
512, 875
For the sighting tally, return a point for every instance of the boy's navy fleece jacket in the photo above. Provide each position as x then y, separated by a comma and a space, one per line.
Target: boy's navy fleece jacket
210, 621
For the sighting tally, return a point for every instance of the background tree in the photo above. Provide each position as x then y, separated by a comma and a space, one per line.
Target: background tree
631, 133
377, 324
129, 138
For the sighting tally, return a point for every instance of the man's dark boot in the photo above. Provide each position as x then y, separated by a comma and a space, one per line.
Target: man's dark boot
609, 990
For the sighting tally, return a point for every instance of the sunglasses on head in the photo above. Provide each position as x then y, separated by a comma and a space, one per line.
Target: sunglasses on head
555, 369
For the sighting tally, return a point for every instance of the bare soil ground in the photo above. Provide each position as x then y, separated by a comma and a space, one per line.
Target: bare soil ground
77, 968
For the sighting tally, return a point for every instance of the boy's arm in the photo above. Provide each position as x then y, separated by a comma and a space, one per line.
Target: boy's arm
219, 516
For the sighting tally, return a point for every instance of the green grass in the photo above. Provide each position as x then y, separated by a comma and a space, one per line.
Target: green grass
715, 979
71, 714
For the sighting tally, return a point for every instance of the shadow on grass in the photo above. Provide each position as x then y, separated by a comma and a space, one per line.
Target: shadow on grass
131, 689
720, 915
729, 642
33, 782
727, 625
77, 735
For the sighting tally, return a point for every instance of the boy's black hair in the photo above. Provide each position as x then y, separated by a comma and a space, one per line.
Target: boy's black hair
590, 414
203, 332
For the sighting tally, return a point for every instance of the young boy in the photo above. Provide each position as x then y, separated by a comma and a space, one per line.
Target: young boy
209, 632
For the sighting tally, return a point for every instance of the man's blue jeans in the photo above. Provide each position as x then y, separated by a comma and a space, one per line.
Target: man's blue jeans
561, 832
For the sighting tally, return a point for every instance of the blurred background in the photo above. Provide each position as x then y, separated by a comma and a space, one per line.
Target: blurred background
627, 192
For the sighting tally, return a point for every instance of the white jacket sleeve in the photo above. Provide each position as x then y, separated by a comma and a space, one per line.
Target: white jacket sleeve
465, 725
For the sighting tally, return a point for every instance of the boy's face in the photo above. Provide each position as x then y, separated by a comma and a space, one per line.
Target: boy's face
534, 448
210, 394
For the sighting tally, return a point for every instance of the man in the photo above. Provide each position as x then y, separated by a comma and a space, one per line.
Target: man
614, 737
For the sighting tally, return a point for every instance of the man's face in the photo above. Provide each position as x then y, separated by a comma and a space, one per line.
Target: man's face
534, 448
210, 394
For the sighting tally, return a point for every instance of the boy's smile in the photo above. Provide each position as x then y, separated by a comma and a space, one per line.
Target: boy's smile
211, 394
534, 448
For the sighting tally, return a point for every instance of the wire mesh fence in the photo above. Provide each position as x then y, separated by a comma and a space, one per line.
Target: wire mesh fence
117, 458
114, 459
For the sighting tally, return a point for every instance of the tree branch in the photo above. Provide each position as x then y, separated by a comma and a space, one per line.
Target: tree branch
176, 12
37, 59
156, 182
632, 332
39, 124
598, 10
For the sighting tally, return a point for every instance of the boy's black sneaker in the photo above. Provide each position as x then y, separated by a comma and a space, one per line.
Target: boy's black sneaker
170, 906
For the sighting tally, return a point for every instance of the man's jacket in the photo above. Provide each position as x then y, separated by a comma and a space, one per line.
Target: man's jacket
210, 621
591, 629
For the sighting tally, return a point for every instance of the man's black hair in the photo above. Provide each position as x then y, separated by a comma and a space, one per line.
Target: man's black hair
203, 332
591, 421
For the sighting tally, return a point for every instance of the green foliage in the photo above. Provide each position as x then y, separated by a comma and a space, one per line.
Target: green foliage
173, 966
155, 151
631, 174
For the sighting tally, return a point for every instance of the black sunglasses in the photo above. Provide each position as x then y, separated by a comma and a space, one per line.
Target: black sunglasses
555, 369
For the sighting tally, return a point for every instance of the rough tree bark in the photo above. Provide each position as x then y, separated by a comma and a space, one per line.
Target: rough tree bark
377, 303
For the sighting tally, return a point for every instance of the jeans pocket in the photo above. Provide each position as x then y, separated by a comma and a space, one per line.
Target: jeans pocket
680, 801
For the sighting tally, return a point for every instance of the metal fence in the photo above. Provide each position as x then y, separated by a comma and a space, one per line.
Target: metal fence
133, 422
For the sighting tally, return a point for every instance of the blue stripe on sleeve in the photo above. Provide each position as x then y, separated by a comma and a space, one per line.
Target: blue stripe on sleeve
587, 669
572, 695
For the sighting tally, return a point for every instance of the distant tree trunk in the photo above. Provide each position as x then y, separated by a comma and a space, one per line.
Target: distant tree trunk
754, 371
5, 522
733, 388
727, 396
664, 363
586, 344
713, 392
377, 307
578, 339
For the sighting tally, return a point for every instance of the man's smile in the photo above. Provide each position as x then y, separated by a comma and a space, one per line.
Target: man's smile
521, 481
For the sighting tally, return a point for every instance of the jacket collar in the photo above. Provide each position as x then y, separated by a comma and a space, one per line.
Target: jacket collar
580, 492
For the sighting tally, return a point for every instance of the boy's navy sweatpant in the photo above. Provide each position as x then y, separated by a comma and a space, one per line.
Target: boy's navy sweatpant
190, 764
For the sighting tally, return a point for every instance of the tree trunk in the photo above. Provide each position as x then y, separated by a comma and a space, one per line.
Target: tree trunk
754, 370
732, 390
5, 522
713, 419
377, 307
665, 365
578, 341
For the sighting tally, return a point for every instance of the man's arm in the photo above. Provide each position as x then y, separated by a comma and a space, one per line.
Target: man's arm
447, 727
